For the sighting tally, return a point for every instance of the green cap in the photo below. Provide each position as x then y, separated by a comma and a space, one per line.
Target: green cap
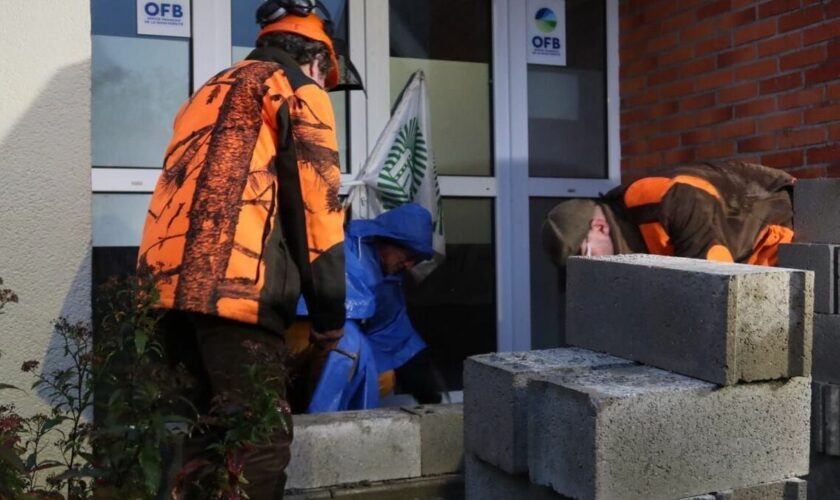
565, 228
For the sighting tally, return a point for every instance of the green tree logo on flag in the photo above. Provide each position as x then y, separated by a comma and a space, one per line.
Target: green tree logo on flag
404, 169
401, 169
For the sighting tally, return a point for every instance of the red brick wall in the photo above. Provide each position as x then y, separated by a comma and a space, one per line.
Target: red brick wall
720, 79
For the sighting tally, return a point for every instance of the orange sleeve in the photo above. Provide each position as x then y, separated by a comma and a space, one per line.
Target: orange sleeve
719, 253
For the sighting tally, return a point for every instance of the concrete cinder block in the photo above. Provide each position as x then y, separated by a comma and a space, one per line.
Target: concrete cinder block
789, 489
824, 477
820, 258
641, 432
441, 437
418, 488
826, 354
815, 217
719, 322
495, 398
347, 447
831, 419
817, 426
483, 481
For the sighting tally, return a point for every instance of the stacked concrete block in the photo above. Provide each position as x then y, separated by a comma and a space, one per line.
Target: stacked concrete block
641, 432
495, 399
720, 409
817, 428
348, 447
826, 355
723, 323
816, 222
815, 217
824, 477
441, 438
831, 419
485, 481
820, 258
789, 489
405, 452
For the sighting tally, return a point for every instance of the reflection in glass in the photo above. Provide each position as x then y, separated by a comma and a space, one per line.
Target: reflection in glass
566, 123
430, 36
139, 82
118, 219
459, 109
567, 127
454, 308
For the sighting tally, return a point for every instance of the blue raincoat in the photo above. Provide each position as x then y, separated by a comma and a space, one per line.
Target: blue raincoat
389, 330
378, 335
349, 380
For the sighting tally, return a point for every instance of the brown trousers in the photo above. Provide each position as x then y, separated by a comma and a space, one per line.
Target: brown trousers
211, 349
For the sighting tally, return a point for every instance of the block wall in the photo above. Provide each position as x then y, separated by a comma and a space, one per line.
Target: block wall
751, 80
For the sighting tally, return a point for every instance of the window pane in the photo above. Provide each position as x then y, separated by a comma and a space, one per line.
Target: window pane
567, 128
454, 308
244, 31
430, 36
118, 219
139, 82
547, 298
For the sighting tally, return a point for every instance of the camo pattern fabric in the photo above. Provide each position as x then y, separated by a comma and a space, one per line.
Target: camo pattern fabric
245, 216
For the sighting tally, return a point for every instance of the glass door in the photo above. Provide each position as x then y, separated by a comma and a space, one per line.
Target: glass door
138, 83
510, 139
455, 308
563, 142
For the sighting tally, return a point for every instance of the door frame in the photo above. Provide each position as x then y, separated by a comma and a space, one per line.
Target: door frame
510, 187
515, 186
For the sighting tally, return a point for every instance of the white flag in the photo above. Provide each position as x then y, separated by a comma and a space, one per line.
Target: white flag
401, 168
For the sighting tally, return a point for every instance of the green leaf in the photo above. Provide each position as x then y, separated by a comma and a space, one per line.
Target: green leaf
150, 462
31, 461
47, 464
140, 339
9, 386
73, 474
49, 424
9, 456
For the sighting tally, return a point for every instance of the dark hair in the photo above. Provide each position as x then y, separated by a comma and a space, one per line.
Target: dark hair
301, 49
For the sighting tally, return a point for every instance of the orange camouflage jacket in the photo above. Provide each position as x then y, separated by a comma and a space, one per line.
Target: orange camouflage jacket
726, 211
246, 215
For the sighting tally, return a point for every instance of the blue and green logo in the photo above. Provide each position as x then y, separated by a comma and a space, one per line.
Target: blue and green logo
546, 20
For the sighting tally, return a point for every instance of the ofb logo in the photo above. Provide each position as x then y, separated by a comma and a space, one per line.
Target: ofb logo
403, 172
546, 20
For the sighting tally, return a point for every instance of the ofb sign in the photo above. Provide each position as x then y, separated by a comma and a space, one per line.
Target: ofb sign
547, 32
163, 17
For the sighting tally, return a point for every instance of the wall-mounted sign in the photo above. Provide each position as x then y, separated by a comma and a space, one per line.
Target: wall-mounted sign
547, 32
163, 17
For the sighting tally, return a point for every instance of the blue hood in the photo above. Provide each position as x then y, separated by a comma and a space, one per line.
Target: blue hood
410, 225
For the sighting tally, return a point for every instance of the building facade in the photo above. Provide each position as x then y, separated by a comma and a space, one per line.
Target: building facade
640, 85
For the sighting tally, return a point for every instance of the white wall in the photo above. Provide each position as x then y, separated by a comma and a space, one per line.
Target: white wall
45, 232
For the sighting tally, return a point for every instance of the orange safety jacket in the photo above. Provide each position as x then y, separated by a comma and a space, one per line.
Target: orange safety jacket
729, 212
246, 214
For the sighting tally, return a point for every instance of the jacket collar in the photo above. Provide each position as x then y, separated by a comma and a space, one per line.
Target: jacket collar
272, 54
276, 55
